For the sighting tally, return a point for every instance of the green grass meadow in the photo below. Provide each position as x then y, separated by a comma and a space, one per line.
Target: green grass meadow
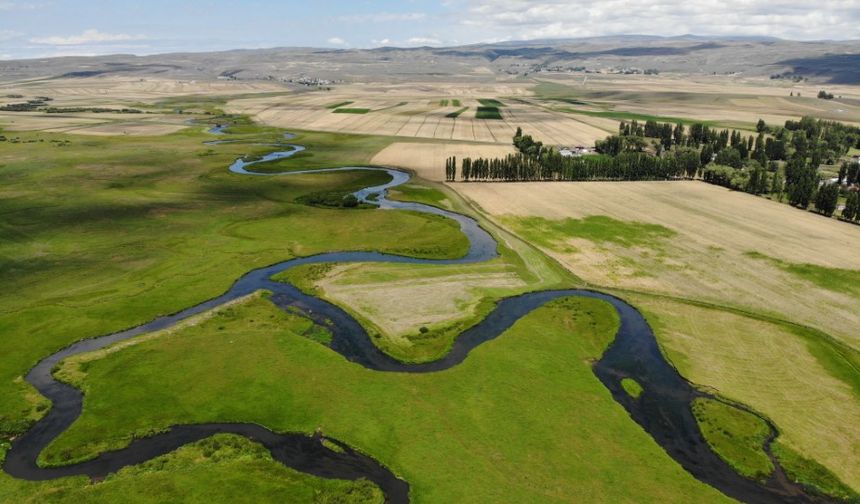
505, 417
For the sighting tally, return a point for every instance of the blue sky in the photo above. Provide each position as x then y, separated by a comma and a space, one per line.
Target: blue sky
55, 28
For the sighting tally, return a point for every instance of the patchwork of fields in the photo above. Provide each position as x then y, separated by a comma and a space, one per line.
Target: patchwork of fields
727, 101
710, 253
424, 112
114, 93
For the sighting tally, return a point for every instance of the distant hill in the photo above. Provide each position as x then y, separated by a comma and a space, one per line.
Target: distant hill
823, 61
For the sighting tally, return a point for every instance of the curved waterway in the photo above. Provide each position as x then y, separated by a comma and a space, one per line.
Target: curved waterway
663, 409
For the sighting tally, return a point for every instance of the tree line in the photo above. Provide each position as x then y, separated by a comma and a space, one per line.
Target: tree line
552, 166
780, 161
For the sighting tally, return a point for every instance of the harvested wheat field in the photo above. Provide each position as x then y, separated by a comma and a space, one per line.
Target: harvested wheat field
424, 296
427, 160
35, 121
123, 128
143, 94
114, 90
703, 242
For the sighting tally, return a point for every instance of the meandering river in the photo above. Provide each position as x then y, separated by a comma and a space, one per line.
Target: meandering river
663, 409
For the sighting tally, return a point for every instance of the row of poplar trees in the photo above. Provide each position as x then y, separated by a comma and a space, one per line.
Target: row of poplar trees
782, 161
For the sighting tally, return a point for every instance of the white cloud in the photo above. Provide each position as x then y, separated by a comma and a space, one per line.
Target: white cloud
383, 17
423, 41
411, 42
791, 19
90, 36
10, 6
336, 41
8, 35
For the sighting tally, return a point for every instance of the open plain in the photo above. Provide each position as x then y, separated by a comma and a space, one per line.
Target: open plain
720, 246
207, 238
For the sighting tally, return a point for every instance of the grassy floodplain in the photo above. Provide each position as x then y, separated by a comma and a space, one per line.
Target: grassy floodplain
414, 312
430, 429
106, 233
223, 468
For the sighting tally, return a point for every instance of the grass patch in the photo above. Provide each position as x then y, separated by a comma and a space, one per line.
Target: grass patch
812, 474
222, 468
834, 279
419, 194
490, 102
351, 110
443, 103
328, 150
632, 387
338, 105
737, 436
456, 113
455, 103
595, 228
269, 375
488, 113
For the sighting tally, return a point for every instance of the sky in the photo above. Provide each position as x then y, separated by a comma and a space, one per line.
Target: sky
36, 29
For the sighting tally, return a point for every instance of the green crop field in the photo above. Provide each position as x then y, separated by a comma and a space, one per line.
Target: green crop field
351, 110
455, 114
488, 113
